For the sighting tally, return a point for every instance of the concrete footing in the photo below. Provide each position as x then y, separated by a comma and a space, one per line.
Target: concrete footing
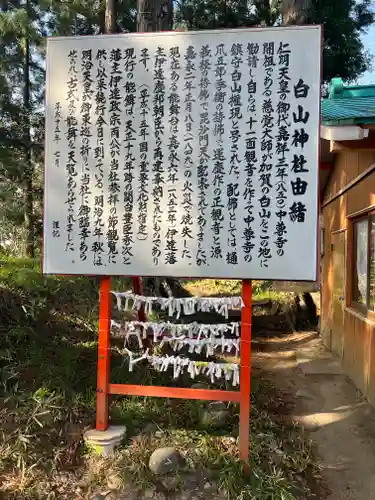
105, 442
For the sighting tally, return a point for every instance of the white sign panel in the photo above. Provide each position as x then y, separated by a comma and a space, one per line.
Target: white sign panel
183, 154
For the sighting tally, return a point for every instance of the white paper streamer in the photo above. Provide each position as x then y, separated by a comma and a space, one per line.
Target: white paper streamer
215, 371
126, 332
178, 306
210, 345
197, 337
188, 330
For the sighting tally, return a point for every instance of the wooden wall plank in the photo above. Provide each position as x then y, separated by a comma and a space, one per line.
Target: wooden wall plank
371, 368
366, 158
362, 195
348, 357
359, 336
347, 166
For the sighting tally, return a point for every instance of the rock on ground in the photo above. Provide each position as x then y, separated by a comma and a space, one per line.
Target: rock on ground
200, 385
216, 414
164, 460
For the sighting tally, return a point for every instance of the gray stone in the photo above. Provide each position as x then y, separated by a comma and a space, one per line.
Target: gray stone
215, 419
164, 460
98, 496
216, 414
200, 386
217, 406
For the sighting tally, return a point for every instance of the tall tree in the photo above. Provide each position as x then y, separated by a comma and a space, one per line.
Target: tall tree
157, 15
29, 170
21, 32
343, 21
23, 27
88, 17
110, 16
24, 24
295, 11
216, 14
154, 15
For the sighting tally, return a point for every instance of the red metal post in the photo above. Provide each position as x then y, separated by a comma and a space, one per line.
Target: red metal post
247, 297
174, 392
104, 388
103, 354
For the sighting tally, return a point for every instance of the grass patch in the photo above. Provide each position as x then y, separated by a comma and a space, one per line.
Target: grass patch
278, 453
48, 353
221, 288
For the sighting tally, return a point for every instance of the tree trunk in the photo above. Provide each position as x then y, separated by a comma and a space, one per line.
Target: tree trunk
29, 170
154, 15
157, 15
110, 24
101, 15
295, 11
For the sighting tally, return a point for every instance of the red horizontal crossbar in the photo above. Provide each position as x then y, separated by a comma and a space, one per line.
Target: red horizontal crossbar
174, 392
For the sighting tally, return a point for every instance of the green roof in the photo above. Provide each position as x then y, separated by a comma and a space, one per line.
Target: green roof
349, 105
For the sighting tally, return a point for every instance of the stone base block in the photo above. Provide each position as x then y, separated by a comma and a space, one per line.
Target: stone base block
105, 442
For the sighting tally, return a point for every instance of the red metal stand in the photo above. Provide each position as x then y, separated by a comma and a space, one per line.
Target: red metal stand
103, 354
245, 366
105, 388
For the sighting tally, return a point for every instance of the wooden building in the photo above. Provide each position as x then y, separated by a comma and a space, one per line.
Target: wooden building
347, 182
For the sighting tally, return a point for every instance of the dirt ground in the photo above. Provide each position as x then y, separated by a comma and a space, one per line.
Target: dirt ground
340, 420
